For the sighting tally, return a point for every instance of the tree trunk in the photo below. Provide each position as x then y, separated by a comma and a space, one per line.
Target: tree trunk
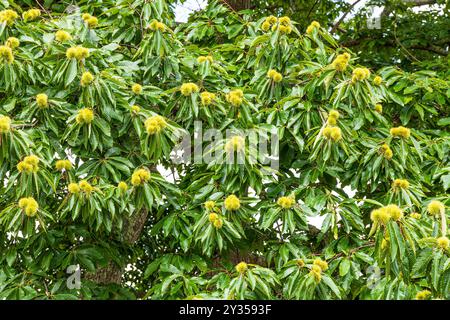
238, 5
112, 273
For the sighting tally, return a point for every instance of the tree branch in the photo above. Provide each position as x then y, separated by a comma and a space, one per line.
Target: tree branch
388, 43
311, 9
336, 25
431, 48
412, 3
419, 2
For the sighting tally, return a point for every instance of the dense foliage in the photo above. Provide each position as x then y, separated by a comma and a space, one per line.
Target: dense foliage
93, 99
413, 34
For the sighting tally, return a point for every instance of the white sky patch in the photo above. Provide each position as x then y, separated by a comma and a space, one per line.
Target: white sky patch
167, 174
418, 9
377, 10
183, 10
316, 221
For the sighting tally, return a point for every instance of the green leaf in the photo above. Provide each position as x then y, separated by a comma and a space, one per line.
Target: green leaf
151, 268
71, 72
344, 267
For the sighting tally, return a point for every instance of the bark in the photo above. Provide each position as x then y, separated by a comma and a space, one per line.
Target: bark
238, 255
391, 43
238, 5
132, 230
112, 273
420, 2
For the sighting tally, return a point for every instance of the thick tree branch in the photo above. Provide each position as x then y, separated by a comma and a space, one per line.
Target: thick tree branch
431, 48
419, 2
132, 229
389, 43
412, 3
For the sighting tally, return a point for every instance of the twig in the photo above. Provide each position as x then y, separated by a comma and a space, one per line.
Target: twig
311, 9
399, 43
47, 293
233, 11
336, 25
370, 244
25, 125
43, 8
